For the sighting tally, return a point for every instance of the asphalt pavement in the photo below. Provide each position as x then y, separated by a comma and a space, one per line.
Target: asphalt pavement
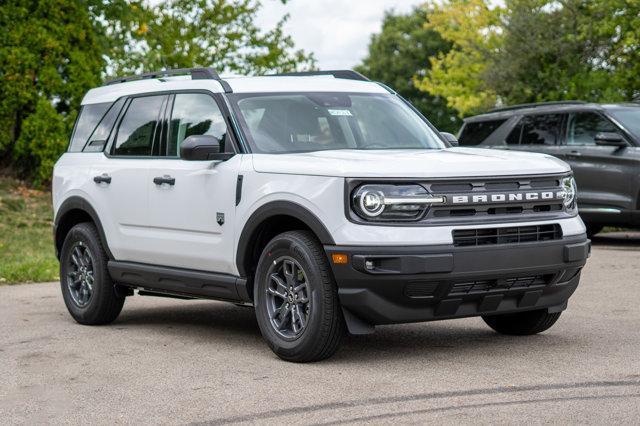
173, 362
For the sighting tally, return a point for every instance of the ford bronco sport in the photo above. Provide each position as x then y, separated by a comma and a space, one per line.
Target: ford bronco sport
324, 200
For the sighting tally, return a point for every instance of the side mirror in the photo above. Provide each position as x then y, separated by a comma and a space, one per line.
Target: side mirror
450, 138
610, 139
202, 148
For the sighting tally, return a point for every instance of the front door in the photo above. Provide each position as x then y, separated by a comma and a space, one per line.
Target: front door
601, 172
192, 203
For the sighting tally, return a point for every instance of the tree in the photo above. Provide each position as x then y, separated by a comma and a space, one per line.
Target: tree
53, 51
473, 29
535, 64
535, 50
401, 51
48, 51
217, 33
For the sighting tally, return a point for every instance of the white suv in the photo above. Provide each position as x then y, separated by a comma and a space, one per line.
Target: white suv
322, 199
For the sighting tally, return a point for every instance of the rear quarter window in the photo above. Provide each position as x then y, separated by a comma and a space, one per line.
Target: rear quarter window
89, 117
475, 133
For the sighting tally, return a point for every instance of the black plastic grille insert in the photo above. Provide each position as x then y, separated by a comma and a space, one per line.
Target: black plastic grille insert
510, 235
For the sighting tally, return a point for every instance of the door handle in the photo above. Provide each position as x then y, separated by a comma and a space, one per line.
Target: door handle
164, 179
575, 154
103, 178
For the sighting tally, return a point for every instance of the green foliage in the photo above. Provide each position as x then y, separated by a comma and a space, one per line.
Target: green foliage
535, 64
473, 30
48, 52
42, 139
53, 51
218, 33
535, 50
26, 242
401, 51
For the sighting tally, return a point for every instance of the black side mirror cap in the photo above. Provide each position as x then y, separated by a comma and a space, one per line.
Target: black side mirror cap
451, 138
610, 139
203, 148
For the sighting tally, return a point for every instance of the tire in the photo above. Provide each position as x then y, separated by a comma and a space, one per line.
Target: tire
522, 323
289, 253
593, 229
101, 304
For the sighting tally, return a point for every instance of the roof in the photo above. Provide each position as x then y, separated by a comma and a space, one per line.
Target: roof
545, 108
264, 84
534, 109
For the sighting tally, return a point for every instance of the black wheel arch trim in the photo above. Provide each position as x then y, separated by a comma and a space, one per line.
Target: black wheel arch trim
278, 208
78, 203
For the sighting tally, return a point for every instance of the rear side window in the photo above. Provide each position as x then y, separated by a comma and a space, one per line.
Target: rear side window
99, 137
477, 132
541, 129
88, 119
138, 126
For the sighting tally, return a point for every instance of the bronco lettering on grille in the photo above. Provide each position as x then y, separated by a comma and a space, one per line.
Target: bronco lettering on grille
507, 197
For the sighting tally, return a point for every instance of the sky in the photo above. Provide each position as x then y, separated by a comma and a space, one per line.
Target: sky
336, 31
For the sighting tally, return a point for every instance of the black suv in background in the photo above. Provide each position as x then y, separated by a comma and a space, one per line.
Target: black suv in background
600, 142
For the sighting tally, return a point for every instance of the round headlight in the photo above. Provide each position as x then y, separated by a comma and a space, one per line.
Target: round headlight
570, 191
372, 203
392, 202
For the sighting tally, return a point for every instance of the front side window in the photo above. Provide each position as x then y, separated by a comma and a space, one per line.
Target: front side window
584, 126
137, 128
194, 114
541, 129
90, 116
303, 122
475, 133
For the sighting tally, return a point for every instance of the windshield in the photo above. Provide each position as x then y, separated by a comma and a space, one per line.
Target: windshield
295, 122
629, 118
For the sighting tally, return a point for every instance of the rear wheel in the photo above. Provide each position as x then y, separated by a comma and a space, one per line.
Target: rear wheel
522, 323
296, 299
87, 289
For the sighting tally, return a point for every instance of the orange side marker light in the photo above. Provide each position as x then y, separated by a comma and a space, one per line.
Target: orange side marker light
339, 258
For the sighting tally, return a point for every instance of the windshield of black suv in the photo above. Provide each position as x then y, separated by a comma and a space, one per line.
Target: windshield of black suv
303, 122
629, 118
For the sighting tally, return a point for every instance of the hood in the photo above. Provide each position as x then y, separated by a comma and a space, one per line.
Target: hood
422, 163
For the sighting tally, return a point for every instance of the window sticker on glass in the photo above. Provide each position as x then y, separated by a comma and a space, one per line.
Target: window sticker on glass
339, 112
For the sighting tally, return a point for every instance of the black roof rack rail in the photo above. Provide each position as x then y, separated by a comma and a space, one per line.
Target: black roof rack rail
535, 104
195, 73
343, 74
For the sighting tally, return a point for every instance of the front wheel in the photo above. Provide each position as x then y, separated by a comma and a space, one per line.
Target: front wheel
522, 323
296, 299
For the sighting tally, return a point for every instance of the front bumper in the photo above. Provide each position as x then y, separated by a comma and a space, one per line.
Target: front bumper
384, 285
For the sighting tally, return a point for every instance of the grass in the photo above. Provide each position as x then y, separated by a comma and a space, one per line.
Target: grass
26, 241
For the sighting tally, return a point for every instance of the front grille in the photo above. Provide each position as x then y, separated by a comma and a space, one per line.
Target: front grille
487, 187
510, 235
483, 286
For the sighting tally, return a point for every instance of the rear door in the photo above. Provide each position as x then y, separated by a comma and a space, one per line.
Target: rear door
121, 176
193, 215
537, 133
602, 172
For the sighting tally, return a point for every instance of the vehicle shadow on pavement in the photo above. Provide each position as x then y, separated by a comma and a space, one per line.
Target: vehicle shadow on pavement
218, 322
441, 340
193, 319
